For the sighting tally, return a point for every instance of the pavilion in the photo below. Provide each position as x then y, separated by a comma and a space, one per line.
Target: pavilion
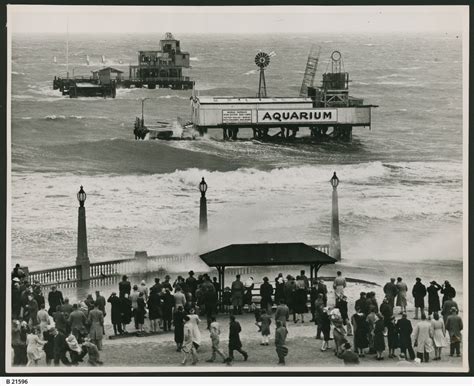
266, 254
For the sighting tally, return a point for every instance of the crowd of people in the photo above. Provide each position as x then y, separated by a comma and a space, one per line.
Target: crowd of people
67, 333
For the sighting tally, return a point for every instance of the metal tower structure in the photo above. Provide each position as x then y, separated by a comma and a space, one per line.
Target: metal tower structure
310, 72
262, 60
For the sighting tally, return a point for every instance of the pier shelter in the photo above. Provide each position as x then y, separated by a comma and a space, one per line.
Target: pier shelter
266, 254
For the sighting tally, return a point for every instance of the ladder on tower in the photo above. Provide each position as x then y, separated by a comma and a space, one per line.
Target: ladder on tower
310, 72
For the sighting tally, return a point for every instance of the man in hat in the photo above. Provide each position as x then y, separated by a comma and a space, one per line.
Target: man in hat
391, 290
433, 297
339, 284
60, 348
55, 298
191, 284
419, 293
266, 292
237, 290
115, 316
157, 287
166, 283
124, 287
405, 330
100, 301
18, 272
234, 340
448, 291
448, 305
16, 299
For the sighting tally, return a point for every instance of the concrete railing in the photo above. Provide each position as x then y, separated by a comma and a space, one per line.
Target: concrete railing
55, 275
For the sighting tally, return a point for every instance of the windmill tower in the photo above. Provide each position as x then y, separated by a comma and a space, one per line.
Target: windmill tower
310, 72
262, 60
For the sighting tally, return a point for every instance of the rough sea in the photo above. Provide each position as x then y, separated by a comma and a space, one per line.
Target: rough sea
401, 183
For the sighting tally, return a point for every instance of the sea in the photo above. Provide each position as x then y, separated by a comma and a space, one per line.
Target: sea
401, 181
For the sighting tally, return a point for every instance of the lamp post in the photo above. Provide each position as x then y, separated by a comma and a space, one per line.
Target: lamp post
203, 207
335, 243
82, 259
143, 106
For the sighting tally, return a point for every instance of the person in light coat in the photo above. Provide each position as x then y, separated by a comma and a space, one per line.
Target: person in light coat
423, 338
43, 318
96, 323
402, 295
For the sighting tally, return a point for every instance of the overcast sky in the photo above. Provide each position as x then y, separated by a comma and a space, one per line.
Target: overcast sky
131, 19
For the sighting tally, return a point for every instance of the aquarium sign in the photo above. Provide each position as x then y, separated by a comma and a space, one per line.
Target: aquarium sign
297, 116
236, 116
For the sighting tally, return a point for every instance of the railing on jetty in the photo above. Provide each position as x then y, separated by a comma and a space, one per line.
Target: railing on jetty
141, 263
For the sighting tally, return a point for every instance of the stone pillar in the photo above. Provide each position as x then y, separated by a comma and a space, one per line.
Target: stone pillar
82, 258
335, 243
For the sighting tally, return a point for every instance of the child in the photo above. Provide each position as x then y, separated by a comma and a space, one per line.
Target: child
226, 299
257, 312
265, 321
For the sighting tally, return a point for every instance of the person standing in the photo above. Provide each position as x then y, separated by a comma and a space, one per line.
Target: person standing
215, 331
154, 309
237, 290
134, 299
282, 312
43, 319
379, 340
361, 332
266, 292
188, 348
439, 335
18, 345
31, 311
300, 296
100, 300
60, 348
143, 288
124, 287
279, 288
115, 315
454, 326
92, 353
339, 284
66, 308
125, 312
280, 342
433, 297
234, 340
402, 295
423, 337
191, 285
323, 289
338, 332
341, 304
419, 293
60, 320
178, 322
167, 284
446, 309
77, 321
96, 323
168, 304
318, 311
194, 323
361, 304
448, 291
140, 313
405, 329
392, 336
55, 298
34, 349
179, 297
391, 290
16, 299
265, 322
48, 348
325, 328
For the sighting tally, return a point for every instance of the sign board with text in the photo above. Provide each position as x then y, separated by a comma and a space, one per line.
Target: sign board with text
236, 116
297, 116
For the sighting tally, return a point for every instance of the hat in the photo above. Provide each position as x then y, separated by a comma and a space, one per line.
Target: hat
16, 279
432, 282
167, 277
191, 272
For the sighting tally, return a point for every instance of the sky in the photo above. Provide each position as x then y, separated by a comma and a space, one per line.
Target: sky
284, 19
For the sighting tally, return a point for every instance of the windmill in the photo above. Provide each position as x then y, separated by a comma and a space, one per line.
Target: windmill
262, 60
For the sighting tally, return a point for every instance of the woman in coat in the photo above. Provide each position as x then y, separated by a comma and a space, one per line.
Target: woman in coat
279, 288
188, 348
167, 309
140, 313
325, 328
318, 311
266, 292
154, 309
392, 337
439, 335
338, 332
125, 311
433, 297
361, 332
178, 321
234, 339
300, 299
379, 339
402, 295
34, 347
423, 337
96, 326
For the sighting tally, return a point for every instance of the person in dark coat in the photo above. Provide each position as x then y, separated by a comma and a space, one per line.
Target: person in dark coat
48, 348
391, 290
325, 322
66, 308
125, 311
419, 293
55, 298
155, 313
61, 321
31, 311
16, 301
280, 342
234, 340
100, 301
178, 321
392, 336
348, 356
167, 307
140, 313
279, 288
405, 330
60, 348
323, 289
167, 284
19, 344
361, 304
448, 291
124, 287
361, 332
379, 340
38, 295
313, 296
191, 284
266, 292
237, 290
386, 310
115, 314
300, 298
433, 297
341, 304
